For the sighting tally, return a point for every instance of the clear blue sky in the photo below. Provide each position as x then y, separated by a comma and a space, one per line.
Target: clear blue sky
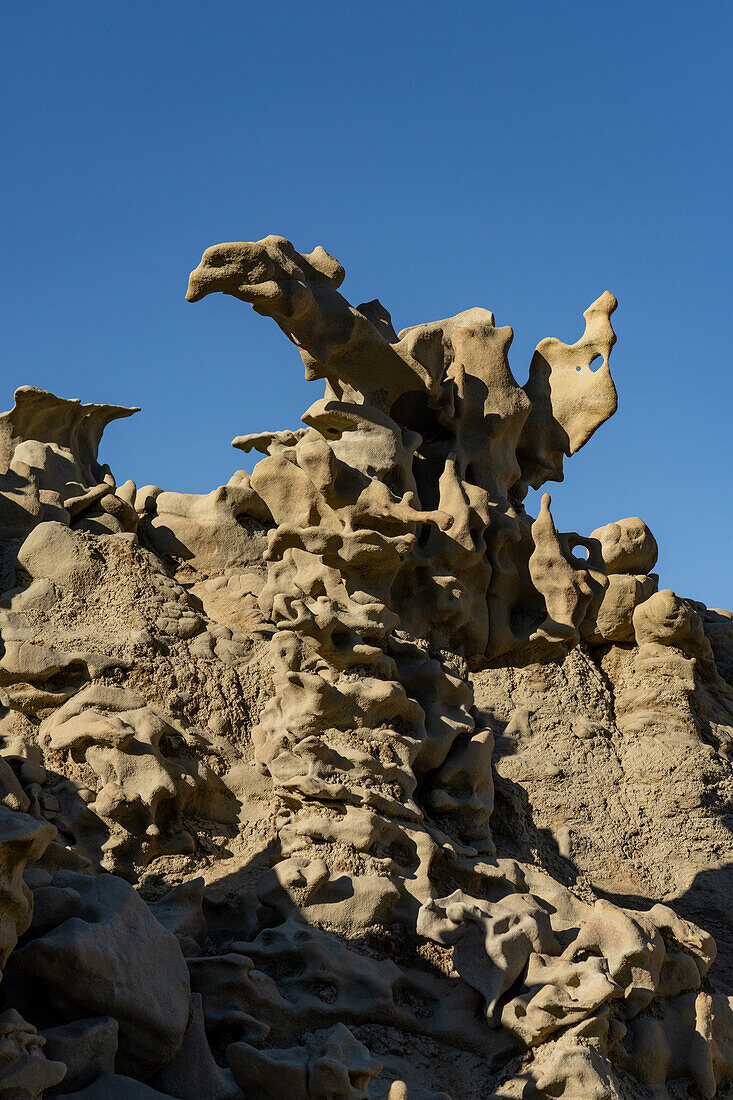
522, 156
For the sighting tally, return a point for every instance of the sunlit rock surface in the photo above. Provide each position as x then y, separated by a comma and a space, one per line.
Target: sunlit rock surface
351, 778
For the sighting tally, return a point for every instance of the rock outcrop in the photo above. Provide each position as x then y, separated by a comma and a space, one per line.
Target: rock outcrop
352, 778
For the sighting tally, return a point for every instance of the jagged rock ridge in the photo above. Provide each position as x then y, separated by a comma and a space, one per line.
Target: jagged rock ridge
350, 778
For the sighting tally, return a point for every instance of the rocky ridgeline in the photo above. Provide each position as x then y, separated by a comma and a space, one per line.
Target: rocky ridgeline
351, 778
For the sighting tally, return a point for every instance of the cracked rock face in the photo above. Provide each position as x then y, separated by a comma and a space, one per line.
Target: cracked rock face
351, 778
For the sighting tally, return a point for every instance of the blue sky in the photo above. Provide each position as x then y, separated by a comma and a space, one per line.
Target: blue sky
522, 156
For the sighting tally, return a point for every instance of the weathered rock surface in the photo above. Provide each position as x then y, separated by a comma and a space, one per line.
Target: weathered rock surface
100, 951
352, 778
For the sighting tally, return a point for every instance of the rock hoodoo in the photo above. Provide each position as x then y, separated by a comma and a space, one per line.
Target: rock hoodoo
352, 778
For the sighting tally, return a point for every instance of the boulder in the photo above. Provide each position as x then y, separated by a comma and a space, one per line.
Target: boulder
111, 958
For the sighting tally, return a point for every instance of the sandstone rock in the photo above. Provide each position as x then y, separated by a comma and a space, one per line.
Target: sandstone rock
628, 546
238, 1001
692, 1042
613, 619
332, 1064
666, 619
112, 958
192, 1073
146, 770
401, 1091
569, 400
180, 911
566, 586
86, 1047
116, 1085
22, 840
55, 553
388, 770
50, 444
209, 531
25, 1072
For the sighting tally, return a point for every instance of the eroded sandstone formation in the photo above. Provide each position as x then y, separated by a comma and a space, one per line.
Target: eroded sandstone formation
352, 778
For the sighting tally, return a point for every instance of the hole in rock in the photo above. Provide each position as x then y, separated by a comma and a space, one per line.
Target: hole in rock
412, 411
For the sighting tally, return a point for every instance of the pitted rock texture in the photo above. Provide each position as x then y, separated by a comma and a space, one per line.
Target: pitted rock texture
351, 778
